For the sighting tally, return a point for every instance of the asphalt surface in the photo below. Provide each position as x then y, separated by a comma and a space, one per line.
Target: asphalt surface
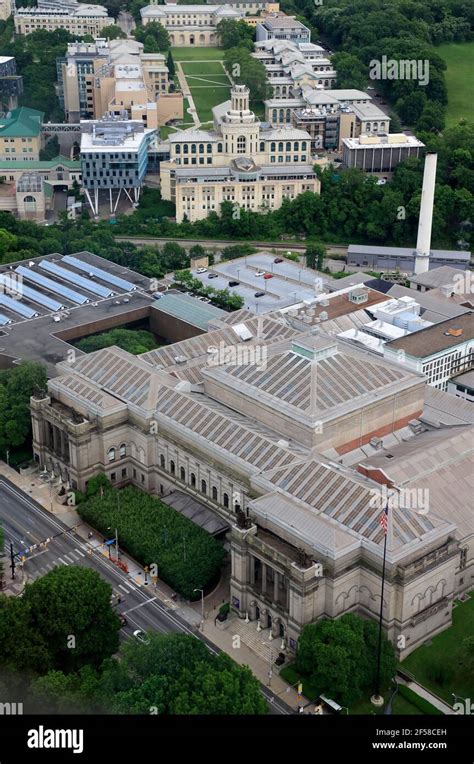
26, 523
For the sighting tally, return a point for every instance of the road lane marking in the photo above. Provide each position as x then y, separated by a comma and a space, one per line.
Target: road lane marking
61, 560
79, 552
120, 586
138, 606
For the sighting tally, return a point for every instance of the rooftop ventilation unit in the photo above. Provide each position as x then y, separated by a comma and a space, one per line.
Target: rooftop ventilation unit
323, 316
376, 443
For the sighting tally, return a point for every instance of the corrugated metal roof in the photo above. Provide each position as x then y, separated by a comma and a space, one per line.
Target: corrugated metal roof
189, 309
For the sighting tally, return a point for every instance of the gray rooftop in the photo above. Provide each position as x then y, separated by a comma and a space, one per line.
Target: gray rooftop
189, 309
444, 275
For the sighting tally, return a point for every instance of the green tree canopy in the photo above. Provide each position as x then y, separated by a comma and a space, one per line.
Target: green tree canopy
152, 35
17, 385
235, 34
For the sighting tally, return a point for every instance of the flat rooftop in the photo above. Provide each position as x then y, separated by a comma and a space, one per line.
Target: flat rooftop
45, 337
436, 338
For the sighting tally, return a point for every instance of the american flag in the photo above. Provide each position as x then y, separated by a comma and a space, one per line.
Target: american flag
383, 519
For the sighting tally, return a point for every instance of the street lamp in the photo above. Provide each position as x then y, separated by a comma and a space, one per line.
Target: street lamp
202, 606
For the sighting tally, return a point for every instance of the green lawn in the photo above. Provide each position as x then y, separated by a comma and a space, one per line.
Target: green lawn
207, 97
197, 54
203, 68
446, 655
459, 58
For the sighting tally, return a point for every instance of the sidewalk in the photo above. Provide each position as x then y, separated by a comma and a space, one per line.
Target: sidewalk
227, 636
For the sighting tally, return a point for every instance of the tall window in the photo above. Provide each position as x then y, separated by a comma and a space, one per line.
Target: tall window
225, 499
111, 454
172, 467
182, 473
241, 143
203, 486
214, 493
193, 479
162, 461
123, 450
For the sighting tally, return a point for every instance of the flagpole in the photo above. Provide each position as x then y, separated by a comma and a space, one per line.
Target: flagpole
379, 649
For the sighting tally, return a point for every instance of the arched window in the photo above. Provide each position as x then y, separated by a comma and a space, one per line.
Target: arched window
178, 148
123, 450
172, 467
201, 148
272, 146
186, 149
241, 143
111, 454
214, 493
219, 148
203, 486
162, 462
275, 115
368, 126
209, 148
182, 473
288, 115
288, 146
193, 148
296, 146
303, 146
382, 125
225, 499
193, 479
262, 145
280, 115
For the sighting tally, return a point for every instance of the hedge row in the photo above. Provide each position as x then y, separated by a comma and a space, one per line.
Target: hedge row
187, 557
423, 705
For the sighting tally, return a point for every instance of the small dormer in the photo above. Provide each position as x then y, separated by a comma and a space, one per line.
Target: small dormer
315, 348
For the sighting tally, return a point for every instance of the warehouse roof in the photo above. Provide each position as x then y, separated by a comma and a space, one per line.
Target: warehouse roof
435, 339
437, 277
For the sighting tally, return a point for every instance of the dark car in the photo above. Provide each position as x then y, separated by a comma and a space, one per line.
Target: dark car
234, 283
281, 659
123, 620
259, 294
278, 260
213, 276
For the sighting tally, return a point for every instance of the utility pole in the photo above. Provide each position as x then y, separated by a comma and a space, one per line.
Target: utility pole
202, 606
116, 546
12, 558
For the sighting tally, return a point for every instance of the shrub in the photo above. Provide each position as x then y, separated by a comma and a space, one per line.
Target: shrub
419, 702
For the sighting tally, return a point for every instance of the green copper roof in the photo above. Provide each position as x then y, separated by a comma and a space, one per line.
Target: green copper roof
50, 164
21, 123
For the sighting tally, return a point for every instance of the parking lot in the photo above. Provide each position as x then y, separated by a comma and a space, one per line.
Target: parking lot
290, 282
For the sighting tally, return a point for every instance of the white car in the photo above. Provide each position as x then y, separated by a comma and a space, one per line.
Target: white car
369, 87
201, 270
140, 636
260, 273
381, 182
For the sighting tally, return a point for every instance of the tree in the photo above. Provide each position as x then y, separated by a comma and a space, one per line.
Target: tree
431, 118
17, 385
235, 34
70, 608
113, 32
152, 35
339, 656
314, 255
51, 150
22, 647
176, 674
170, 65
246, 70
135, 341
351, 72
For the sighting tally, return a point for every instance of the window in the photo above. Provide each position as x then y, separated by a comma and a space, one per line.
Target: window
273, 146
203, 486
193, 479
172, 467
201, 148
280, 146
143, 478
123, 450
182, 473
214, 493
209, 148
219, 148
178, 149
262, 145
134, 473
185, 148
288, 146
226, 500
111, 454
193, 148
124, 472
162, 462
241, 144
113, 477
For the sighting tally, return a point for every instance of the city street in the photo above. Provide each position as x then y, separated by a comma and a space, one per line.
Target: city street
26, 523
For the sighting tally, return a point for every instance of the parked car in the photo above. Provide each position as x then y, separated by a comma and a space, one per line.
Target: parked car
268, 276
140, 636
123, 620
201, 270
260, 273
281, 659
381, 182
234, 283
213, 276
259, 294
278, 260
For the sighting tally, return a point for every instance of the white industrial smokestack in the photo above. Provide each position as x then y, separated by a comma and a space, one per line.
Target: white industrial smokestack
423, 242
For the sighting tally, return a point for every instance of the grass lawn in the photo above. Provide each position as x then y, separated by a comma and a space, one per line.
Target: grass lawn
207, 97
459, 58
446, 650
202, 68
197, 54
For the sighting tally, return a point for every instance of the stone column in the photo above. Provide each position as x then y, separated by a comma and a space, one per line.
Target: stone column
275, 586
264, 578
55, 440
252, 569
